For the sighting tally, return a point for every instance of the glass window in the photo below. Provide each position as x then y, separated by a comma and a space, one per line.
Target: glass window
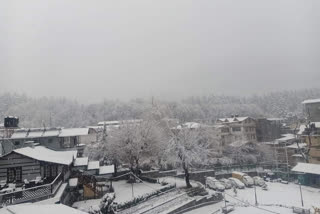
14, 174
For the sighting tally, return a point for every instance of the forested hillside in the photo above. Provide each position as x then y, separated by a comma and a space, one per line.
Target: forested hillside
49, 111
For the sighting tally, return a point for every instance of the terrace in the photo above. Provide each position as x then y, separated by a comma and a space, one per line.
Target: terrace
15, 193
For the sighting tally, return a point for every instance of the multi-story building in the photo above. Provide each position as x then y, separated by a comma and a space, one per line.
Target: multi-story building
312, 109
268, 129
310, 132
237, 129
57, 139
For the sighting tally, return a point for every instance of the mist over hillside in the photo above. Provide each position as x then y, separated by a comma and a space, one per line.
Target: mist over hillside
52, 111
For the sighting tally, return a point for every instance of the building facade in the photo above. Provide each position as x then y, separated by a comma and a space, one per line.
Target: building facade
312, 109
237, 129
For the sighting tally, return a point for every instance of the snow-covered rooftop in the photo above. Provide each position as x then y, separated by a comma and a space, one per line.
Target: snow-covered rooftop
295, 146
317, 124
19, 134
232, 119
40, 209
118, 122
311, 101
301, 129
93, 165
286, 137
106, 170
275, 119
42, 153
297, 155
307, 168
81, 161
51, 133
73, 182
74, 132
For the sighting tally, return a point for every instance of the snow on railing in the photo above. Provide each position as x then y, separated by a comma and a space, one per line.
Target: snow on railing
31, 194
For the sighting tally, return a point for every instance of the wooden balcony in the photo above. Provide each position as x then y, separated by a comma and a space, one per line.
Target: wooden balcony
32, 194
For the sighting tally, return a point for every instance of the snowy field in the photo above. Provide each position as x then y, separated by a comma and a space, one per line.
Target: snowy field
286, 195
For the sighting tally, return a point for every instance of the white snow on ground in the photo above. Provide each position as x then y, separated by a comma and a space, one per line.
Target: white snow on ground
239, 210
179, 182
56, 198
123, 190
87, 205
39, 209
284, 194
287, 195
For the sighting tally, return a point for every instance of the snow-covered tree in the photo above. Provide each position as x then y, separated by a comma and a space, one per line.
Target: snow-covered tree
191, 147
136, 143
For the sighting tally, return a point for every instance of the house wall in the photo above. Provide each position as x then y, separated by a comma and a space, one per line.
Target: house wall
50, 142
242, 130
312, 111
267, 130
314, 154
30, 167
92, 137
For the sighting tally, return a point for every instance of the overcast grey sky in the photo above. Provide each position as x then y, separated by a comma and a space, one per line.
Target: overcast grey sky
90, 50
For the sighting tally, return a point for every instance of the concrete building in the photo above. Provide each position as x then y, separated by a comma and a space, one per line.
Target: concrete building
312, 109
53, 138
309, 174
310, 134
268, 129
237, 129
28, 163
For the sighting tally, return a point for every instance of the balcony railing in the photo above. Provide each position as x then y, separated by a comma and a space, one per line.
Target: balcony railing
32, 194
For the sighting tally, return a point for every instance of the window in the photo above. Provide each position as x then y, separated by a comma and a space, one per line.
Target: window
14, 174
16, 143
49, 171
236, 129
225, 130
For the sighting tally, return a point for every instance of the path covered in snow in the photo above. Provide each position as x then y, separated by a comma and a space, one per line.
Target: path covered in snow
287, 195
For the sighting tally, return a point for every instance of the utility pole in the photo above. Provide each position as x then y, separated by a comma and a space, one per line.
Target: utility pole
255, 194
301, 194
287, 161
276, 155
225, 201
132, 189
